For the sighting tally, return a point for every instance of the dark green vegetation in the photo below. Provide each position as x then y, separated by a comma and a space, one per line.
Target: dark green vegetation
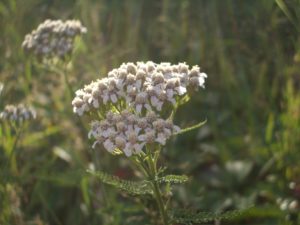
246, 155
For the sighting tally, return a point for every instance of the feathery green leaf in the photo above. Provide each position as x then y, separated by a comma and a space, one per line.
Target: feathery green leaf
173, 179
131, 187
191, 217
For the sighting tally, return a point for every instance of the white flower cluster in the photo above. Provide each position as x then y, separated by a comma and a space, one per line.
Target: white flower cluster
129, 133
142, 86
17, 114
53, 38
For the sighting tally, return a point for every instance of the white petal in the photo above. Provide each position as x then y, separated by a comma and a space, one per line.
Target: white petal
114, 98
105, 98
129, 129
170, 93
108, 145
80, 111
127, 150
154, 100
203, 75
96, 103
137, 129
105, 133
138, 108
181, 90
173, 101
130, 88
138, 84
161, 139
120, 83
167, 133
128, 99
148, 107
111, 131
142, 137
138, 148
80, 92
159, 105
158, 88
201, 81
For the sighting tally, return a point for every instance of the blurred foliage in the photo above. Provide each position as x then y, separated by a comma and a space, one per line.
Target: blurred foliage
247, 154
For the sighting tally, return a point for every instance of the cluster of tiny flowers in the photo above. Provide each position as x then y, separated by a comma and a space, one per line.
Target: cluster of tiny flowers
129, 133
142, 86
53, 38
17, 114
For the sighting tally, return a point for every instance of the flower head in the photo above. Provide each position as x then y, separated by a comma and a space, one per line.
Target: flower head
53, 38
130, 103
132, 133
143, 86
17, 114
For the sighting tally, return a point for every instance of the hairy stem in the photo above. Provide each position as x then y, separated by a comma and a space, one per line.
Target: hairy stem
156, 190
160, 203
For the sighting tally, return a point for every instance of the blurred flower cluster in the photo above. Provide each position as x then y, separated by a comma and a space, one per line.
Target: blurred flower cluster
53, 38
291, 203
17, 114
129, 133
142, 86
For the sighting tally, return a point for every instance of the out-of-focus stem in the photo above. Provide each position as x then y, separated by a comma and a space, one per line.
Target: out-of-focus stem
12, 155
67, 82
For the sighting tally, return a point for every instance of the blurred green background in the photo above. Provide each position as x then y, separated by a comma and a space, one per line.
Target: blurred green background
246, 155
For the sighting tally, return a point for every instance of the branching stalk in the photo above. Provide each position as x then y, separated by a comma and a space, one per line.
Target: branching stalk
152, 175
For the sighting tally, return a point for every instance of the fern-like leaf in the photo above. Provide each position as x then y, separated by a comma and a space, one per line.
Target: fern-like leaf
131, 187
192, 217
173, 179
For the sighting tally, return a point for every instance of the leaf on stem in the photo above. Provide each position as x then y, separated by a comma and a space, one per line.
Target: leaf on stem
173, 179
192, 217
131, 187
196, 126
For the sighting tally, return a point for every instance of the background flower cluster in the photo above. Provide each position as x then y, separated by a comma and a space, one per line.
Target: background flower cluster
53, 38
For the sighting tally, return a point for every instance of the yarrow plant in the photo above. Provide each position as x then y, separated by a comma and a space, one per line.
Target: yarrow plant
52, 43
14, 120
131, 112
53, 38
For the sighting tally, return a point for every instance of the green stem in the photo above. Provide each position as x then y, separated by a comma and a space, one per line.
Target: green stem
69, 86
157, 193
160, 203
12, 156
